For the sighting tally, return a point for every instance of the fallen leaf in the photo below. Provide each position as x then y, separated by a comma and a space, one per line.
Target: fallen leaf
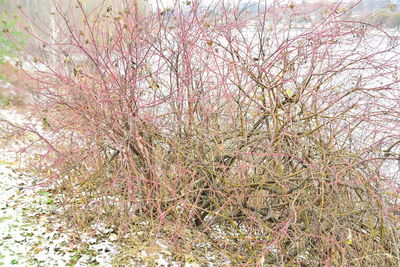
113, 237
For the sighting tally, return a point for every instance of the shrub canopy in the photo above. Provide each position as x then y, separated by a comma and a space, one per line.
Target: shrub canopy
269, 132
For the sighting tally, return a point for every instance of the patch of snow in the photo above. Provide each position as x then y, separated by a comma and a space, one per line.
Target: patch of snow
28, 234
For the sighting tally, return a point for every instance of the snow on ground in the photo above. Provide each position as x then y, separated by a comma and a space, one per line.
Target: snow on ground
28, 234
31, 233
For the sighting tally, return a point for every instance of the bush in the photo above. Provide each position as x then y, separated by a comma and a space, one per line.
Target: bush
211, 125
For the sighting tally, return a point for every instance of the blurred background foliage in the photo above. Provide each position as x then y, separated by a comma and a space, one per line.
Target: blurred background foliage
11, 38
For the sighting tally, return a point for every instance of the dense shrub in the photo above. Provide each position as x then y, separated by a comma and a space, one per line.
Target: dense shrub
273, 142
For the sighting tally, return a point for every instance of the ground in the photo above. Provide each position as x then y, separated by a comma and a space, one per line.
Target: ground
30, 230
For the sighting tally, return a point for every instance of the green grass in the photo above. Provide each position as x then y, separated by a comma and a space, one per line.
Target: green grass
5, 101
2, 219
11, 38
